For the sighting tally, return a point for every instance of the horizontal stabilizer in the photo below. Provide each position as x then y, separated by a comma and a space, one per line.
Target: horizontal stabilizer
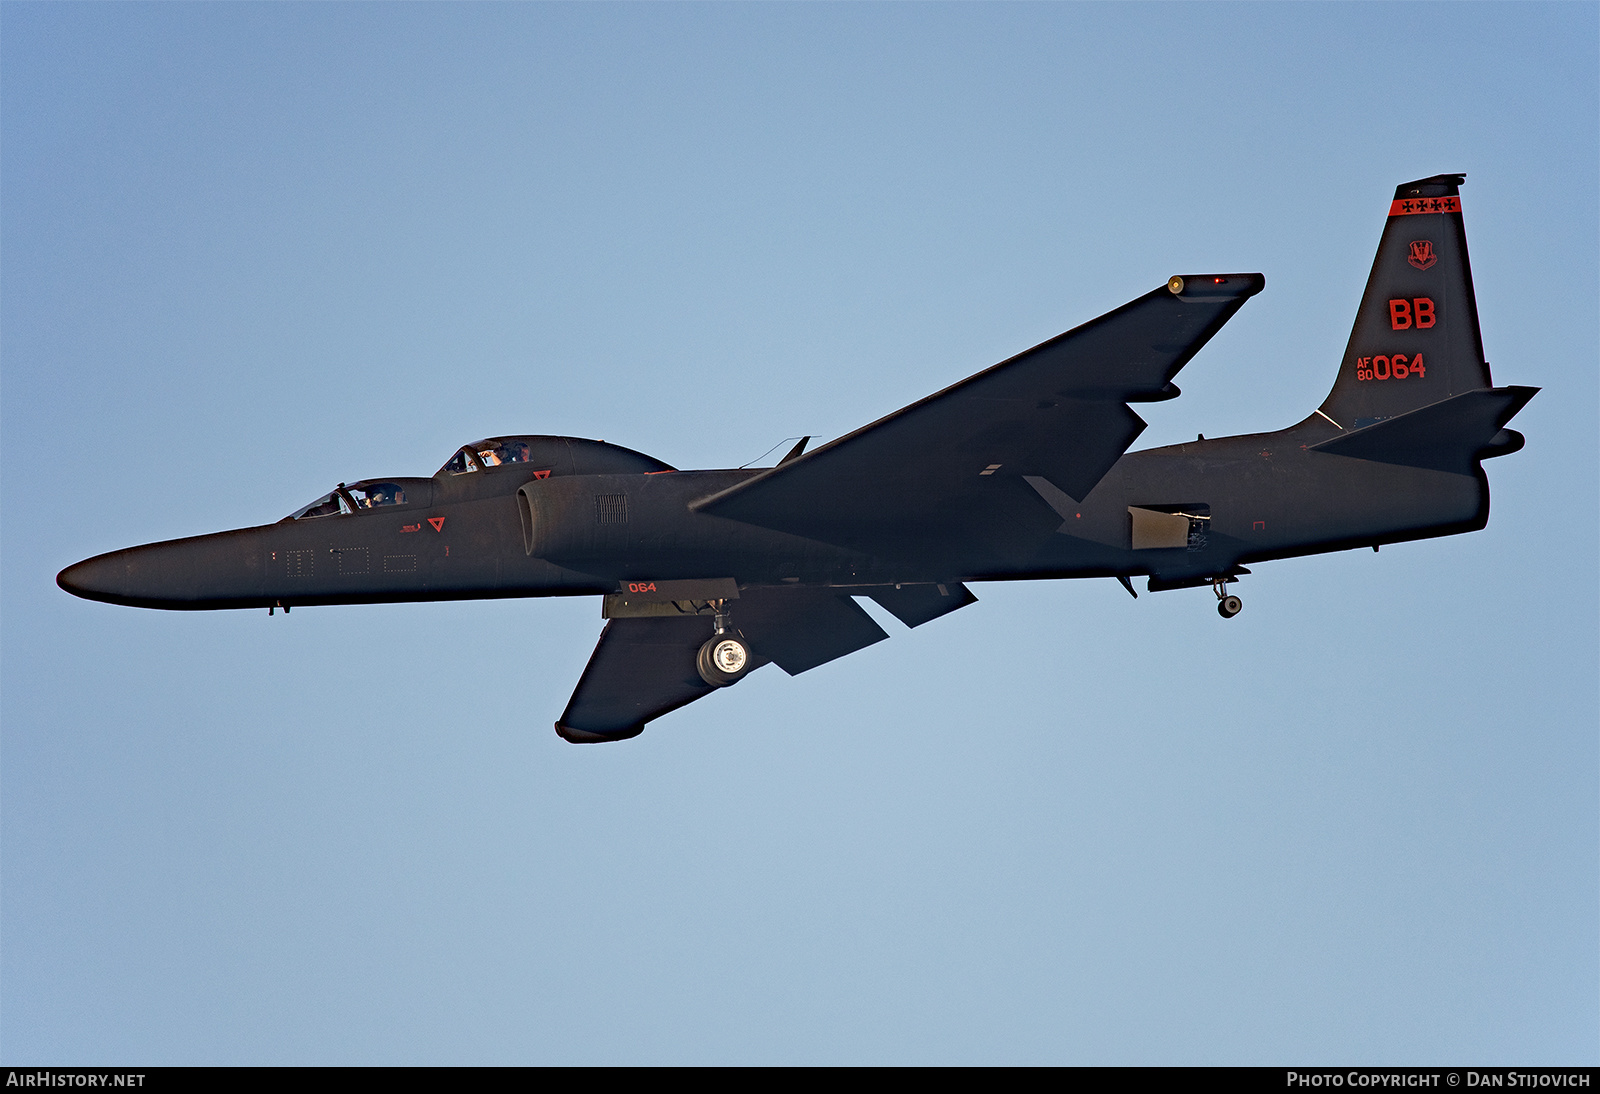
1451, 435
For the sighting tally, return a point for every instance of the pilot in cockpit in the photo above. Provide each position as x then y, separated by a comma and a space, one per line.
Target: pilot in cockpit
383, 493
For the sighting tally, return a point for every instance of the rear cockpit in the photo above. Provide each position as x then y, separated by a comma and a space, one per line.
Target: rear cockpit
544, 456
494, 452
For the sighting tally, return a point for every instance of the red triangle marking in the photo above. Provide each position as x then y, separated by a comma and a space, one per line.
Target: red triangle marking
541, 474
437, 522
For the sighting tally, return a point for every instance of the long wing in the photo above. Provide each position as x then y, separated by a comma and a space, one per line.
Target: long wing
944, 464
640, 669
644, 667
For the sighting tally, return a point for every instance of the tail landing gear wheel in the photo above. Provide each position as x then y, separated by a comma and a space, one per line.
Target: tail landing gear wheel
1228, 605
723, 660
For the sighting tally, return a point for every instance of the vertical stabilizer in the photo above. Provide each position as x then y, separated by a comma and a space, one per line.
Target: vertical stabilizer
1415, 340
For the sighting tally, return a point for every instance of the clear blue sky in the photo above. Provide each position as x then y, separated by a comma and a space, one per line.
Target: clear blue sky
252, 250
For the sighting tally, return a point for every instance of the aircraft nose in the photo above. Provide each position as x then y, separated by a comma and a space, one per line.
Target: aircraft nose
157, 575
215, 571
101, 578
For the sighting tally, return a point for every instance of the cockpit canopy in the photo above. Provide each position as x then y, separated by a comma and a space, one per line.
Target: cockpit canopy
557, 455
488, 453
368, 494
540, 457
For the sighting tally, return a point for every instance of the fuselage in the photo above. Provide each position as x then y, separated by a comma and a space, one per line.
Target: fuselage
584, 518
1020, 471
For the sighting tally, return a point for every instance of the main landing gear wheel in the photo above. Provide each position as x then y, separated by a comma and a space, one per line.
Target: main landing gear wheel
723, 660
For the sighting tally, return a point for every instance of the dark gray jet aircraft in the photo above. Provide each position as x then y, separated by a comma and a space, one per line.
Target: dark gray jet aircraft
1018, 472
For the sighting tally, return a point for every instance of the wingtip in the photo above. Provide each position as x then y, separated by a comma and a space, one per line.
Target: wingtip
585, 737
1218, 286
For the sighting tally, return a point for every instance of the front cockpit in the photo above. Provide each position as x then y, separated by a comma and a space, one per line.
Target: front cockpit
357, 497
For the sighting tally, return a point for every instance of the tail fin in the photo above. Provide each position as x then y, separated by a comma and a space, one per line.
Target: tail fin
1415, 340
